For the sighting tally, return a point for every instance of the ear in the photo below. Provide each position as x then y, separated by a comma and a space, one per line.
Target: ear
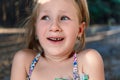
81, 29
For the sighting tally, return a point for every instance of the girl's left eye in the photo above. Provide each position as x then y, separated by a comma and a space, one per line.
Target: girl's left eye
65, 18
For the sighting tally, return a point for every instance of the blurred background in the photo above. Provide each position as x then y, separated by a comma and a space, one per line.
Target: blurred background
103, 34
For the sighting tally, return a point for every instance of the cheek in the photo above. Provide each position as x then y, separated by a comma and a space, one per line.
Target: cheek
74, 29
40, 27
72, 32
39, 31
73, 36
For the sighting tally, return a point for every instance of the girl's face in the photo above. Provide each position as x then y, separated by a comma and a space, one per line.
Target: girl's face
57, 26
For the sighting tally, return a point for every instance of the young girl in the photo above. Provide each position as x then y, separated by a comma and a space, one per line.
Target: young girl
55, 40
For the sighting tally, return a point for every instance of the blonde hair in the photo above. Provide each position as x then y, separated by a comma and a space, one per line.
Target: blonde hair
83, 17
33, 43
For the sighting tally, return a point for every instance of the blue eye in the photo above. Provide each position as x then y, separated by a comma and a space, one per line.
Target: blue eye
65, 18
45, 18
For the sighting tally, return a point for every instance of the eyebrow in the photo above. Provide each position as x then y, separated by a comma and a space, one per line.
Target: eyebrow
44, 11
63, 11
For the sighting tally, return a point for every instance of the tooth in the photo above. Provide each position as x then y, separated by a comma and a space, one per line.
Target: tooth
56, 39
53, 38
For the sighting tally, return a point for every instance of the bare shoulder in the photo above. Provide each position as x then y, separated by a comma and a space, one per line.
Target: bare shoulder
24, 57
21, 62
90, 56
24, 54
92, 64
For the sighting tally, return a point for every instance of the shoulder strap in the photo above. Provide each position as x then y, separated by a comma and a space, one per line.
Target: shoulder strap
33, 64
75, 68
76, 74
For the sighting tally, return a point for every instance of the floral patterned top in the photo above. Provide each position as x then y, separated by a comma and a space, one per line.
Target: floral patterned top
76, 75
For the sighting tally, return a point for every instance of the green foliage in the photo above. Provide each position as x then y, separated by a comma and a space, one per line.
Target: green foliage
102, 10
115, 1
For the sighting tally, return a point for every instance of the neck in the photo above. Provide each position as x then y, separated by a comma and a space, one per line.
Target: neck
58, 58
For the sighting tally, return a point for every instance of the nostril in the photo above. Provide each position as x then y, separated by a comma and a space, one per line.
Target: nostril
55, 28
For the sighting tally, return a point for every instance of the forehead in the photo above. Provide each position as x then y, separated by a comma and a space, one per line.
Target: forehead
42, 1
57, 4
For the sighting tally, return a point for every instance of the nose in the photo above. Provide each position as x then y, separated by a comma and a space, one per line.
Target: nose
55, 27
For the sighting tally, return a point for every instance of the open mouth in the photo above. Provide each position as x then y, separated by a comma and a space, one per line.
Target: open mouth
55, 39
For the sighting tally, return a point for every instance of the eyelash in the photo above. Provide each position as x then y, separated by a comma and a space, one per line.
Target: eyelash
62, 18
45, 18
65, 18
